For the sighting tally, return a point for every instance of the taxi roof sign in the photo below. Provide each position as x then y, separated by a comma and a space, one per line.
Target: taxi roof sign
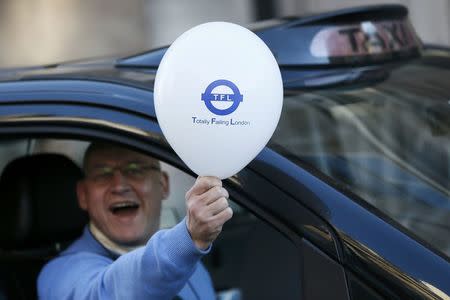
356, 36
347, 37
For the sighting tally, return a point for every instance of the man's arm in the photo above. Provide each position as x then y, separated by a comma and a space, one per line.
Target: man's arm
159, 270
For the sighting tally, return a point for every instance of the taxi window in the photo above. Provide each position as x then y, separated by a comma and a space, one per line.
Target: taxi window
389, 143
233, 252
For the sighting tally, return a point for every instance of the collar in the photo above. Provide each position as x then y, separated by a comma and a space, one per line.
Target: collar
111, 246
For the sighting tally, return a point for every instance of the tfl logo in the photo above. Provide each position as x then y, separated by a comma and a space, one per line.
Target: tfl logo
236, 98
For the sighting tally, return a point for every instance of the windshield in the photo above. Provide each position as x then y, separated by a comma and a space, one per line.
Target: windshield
389, 143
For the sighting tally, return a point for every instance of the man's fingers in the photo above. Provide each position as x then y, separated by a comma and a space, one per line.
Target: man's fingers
215, 224
203, 184
209, 204
224, 216
208, 197
217, 206
213, 194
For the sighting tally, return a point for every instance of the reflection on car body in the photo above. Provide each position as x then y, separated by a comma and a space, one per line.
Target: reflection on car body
352, 191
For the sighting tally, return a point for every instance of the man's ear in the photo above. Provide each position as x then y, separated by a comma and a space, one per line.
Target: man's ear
81, 194
165, 185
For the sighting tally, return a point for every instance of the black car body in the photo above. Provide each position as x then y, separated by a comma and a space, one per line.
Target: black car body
349, 200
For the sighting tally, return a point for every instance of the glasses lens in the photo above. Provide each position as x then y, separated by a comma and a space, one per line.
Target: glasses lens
103, 173
131, 171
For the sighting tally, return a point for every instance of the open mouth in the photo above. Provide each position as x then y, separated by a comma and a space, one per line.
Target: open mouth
124, 208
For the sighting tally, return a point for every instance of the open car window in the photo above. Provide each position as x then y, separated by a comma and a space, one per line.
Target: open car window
244, 257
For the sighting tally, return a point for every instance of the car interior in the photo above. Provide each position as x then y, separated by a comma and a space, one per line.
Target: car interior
41, 217
36, 222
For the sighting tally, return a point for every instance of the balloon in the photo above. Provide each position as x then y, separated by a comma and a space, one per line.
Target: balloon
218, 96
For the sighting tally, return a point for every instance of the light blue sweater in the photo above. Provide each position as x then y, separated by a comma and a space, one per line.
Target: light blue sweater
167, 266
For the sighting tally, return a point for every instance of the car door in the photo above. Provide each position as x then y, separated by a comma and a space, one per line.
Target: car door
261, 254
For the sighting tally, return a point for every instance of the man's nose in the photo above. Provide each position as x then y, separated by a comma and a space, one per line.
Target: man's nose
119, 182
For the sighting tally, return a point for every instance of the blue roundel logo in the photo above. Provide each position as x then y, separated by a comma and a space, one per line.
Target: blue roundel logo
209, 97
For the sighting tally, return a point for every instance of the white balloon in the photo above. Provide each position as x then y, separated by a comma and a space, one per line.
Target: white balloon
218, 96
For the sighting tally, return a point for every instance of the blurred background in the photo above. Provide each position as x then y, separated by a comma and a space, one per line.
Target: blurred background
36, 32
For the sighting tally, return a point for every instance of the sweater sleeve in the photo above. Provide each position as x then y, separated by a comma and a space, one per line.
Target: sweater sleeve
157, 271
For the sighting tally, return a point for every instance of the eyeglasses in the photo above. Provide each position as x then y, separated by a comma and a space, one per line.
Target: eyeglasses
131, 171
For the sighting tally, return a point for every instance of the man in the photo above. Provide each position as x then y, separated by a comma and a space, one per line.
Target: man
121, 254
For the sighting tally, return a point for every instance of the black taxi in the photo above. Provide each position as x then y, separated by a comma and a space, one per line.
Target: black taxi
349, 200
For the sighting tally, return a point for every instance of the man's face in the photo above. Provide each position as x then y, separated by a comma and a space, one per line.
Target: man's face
122, 193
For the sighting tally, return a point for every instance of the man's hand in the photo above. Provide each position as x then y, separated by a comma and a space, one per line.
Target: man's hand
207, 210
